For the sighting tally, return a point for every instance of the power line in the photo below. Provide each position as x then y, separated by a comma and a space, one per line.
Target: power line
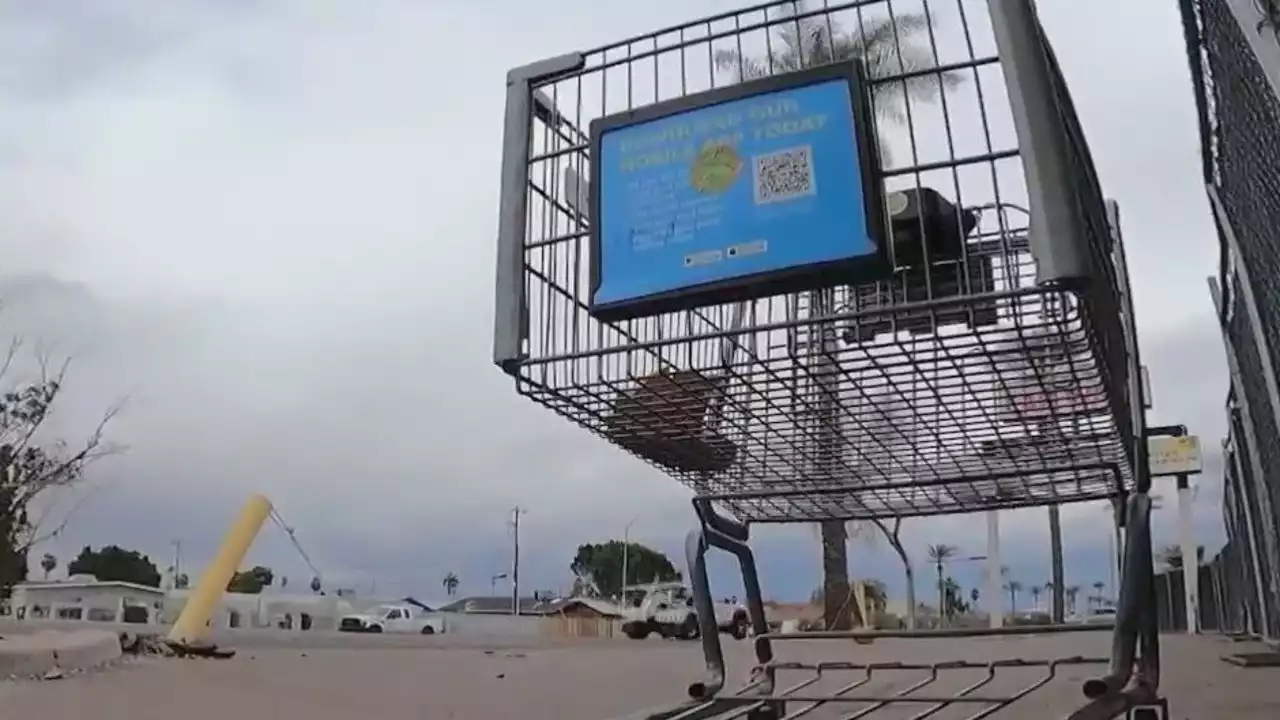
278, 519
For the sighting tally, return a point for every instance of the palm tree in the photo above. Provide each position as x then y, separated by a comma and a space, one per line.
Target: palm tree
1014, 587
888, 46
1035, 597
1098, 589
952, 594
450, 584
48, 563
1072, 592
939, 554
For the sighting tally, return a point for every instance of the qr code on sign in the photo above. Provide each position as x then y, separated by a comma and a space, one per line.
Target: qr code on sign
784, 175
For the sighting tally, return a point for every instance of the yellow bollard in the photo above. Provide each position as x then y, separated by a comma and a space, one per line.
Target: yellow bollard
192, 623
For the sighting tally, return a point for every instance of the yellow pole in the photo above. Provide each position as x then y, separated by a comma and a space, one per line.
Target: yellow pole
202, 601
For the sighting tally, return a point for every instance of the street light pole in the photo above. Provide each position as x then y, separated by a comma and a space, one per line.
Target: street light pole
626, 548
516, 512
493, 583
995, 594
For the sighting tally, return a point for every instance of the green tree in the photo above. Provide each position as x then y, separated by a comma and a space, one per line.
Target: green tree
315, 585
251, 581
938, 555
115, 564
877, 596
13, 531
888, 46
1014, 587
1172, 556
33, 468
182, 582
48, 563
450, 584
600, 564
953, 599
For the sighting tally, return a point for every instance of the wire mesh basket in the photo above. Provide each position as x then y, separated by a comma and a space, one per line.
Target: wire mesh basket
986, 368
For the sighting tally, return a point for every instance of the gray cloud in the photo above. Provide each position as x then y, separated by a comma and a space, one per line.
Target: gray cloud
270, 224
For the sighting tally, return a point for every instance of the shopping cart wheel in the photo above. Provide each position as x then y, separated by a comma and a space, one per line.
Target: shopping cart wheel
1155, 711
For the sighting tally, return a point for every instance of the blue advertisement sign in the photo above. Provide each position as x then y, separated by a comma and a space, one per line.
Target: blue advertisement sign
738, 198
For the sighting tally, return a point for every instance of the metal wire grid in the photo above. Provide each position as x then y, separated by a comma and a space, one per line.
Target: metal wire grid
1240, 111
851, 691
963, 387
1259, 536
1241, 601
1245, 152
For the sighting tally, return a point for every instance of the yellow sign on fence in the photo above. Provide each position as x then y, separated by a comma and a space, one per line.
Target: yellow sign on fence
1174, 455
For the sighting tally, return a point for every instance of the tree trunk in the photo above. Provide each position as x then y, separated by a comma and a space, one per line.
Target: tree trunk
911, 581
1055, 551
942, 597
835, 577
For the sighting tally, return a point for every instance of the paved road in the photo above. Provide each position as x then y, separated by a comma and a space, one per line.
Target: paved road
313, 639
594, 681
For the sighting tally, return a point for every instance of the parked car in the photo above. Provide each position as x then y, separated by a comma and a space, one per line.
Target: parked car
1104, 615
392, 619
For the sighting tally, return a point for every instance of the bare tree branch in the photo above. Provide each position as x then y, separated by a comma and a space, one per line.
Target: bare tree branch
34, 469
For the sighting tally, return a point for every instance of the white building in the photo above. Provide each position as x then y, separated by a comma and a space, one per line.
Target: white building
82, 597
266, 610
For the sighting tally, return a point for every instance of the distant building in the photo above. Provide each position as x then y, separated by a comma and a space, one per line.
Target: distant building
82, 597
498, 605
267, 610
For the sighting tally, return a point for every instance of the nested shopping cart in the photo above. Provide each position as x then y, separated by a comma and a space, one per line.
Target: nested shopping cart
824, 262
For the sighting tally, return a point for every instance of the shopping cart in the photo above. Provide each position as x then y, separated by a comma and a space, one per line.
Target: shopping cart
824, 262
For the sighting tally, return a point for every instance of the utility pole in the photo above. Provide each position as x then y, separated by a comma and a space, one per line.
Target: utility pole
516, 512
177, 563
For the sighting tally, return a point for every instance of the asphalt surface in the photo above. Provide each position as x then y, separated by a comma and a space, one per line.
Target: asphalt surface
332, 676
311, 639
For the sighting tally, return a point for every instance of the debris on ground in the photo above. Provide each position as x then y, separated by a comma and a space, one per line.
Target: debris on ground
136, 644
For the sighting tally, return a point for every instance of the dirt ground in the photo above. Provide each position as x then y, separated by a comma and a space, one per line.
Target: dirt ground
597, 681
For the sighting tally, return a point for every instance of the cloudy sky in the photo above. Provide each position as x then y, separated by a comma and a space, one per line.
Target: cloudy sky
270, 223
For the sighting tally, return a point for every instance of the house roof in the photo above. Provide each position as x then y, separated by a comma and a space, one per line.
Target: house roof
559, 605
88, 585
490, 604
528, 606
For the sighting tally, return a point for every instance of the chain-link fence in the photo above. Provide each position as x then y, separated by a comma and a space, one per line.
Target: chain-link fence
1239, 108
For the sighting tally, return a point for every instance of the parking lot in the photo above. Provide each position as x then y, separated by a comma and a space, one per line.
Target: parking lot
322, 676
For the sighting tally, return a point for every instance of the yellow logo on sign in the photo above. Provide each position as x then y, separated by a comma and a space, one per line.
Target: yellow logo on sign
715, 168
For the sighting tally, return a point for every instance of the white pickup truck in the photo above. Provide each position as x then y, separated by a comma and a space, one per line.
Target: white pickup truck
392, 619
667, 610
